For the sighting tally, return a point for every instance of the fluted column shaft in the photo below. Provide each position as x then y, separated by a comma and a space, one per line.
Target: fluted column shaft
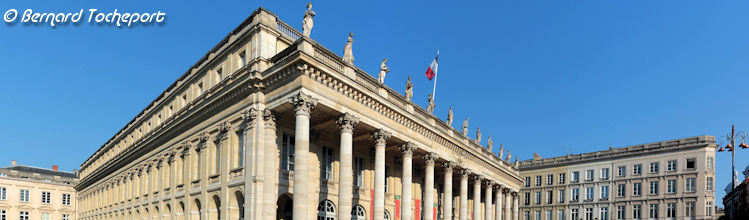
488, 202
271, 165
304, 105
346, 172
515, 207
477, 197
498, 207
407, 150
380, 136
508, 204
429, 158
464, 195
447, 204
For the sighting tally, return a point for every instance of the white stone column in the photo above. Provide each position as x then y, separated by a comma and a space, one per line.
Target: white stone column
477, 197
498, 207
249, 129
464, 194
447, 204
407, 149
347, 122
303, 106
488, 202
508, 204
429, 159
515, 210
270, 193
380, 137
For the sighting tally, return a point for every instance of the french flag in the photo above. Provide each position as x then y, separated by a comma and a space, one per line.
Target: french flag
432, 70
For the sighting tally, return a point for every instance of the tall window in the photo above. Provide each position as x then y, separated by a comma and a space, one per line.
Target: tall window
575, 176
358, 213
622, 171
527, 199
620, 210
287, 152
671, 210
550, 179
636, 211
549, 214
538, 180
549, 197
242, 59
527, 181
358, 171
709, 184
326, 169
46, 197
562, 178
653, 210
605, 173
526, 215
589, 193
3, 193
605, 192
575, 196
671, 185
574, 214
709, 163
689, 208
387, 183
23, 215
588, 213
217, 157
66, 199
2, 215
24, 195
240, 148
709, 208
537, 215
604, 215
671, 165
690, 185
589, 175
637, 169
654, 188
538, 198
560, 214
326, 210
45, 216
654, 167
636, 189
561, 196
621, 190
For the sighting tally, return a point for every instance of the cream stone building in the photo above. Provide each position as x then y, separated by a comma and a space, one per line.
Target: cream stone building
665, 180
36, 193
270, 124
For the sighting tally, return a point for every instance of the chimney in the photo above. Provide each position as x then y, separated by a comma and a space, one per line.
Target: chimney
55, 168
13, 162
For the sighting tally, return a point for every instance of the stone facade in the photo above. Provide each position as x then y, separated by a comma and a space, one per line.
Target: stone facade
736, 201
272, 125
664, 180
37, 193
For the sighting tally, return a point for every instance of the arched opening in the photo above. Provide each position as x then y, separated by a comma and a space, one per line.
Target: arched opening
156, 213
195, 211
285, 206
168, 212
214, 212
358, 213
237, 206
181, 211
326, 210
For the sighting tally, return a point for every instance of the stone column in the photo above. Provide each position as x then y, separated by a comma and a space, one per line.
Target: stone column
271, 165
407, 149
508, 204
488, 200
249, 128
498, 207
447, 204
515, 206
464, 194
429, 159
380, 137
477, 197
347, 122
303, 105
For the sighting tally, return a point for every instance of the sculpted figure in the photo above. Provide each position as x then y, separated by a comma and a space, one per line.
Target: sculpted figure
509, 156
465, 127
383, 71
348, 53
409, 89
516, 163
478, 135
450, 117
308, 21
490, 144
430, 106
501, 151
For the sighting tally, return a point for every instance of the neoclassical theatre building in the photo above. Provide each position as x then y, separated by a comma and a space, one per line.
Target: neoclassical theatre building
269, 124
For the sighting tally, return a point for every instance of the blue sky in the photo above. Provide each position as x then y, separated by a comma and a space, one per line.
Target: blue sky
553, 77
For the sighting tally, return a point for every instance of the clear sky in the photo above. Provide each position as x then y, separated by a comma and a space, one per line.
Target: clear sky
553, 77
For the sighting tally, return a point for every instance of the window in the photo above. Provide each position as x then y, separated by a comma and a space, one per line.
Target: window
217, 157
690, 185
527, 181
45, 216
358, 171
604, 215
46, 197
653, 210
326, 169
538, 180
2, 215
636, 211
636, 189
561, 196
527, 199
550, 179
574, 214
671, 185
66, 199
24, 195
588, 213
689, 209
560, 214
709, 163
537, 215
3, 193
589, 193
671, 165
200, 89
326, 211
387, 183
621, 190
184, 100
637, 169
242, 59
605, 192
575, 195
691, 163
538, 198
654, 188
709, 208
287, 153
654, 167
220, 74
358, 213
549, 197
548, 214
562, 178
620, 210
65, 216
23, 215
240, 148
575, 177
622, 171
589, 175
605, 173
526, 215
709, 184
671, 210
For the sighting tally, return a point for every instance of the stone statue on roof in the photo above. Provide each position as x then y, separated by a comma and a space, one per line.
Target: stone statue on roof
348, 50
509, 156
465, 127
308, 21
450, 117
478, 135
409, 89
490, 144
430, 106
501, 149
383, 71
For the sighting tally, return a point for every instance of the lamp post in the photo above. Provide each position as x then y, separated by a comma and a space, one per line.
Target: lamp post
731, 137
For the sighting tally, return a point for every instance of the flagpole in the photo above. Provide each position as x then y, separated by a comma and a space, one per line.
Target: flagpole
434, 89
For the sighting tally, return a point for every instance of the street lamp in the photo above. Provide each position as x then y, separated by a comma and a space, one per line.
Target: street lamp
731, 138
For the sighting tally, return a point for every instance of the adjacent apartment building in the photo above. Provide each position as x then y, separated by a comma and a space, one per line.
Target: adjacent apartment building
270, 124
36, 193
736, 201
672, 179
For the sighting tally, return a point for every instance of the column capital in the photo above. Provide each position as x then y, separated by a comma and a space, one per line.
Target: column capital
223, 130
489, 183
465, 173
303, 103
514, 194
381, 136
497, 187
347, 122
448, 166
477, 177
270, 118
248, 118
407, 149
506, 190
430, 158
